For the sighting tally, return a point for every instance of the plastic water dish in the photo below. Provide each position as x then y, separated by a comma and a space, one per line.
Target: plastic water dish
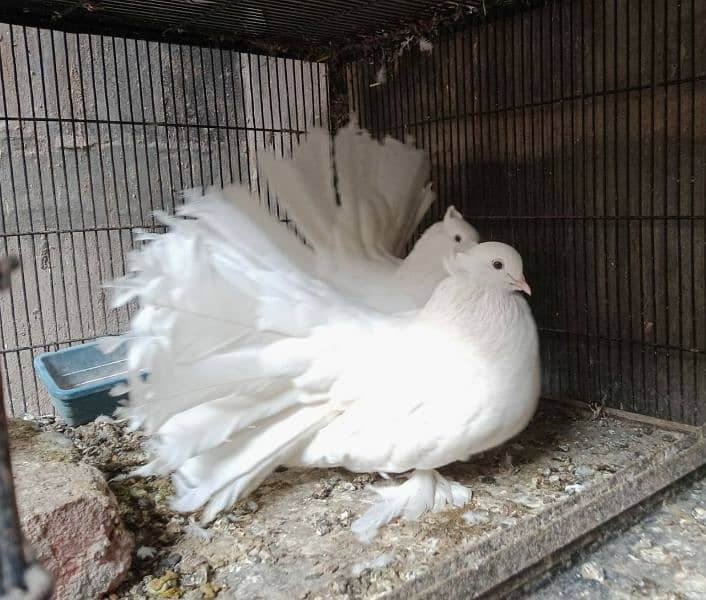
79, 380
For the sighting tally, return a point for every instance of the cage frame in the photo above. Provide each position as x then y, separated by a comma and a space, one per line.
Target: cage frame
365, 50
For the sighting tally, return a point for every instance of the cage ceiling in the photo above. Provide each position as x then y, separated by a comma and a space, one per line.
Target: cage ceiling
307, 28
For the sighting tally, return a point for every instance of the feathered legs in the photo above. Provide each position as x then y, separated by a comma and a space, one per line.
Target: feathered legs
424, 490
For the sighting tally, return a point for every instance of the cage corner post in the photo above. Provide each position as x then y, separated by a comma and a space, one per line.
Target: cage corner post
14, 566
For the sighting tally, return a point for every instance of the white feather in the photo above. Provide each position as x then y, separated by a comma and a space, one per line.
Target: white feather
384, 192
256, 358
423, 491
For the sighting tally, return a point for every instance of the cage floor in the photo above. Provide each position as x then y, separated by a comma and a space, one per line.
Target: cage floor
570, 471
661, 556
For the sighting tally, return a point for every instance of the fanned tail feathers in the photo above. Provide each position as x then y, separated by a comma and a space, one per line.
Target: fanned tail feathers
224, 365
384, 188
384, 191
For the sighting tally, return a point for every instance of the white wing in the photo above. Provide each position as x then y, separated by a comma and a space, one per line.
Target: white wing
230, 335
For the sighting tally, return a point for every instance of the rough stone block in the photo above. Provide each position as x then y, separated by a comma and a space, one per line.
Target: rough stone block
69, 515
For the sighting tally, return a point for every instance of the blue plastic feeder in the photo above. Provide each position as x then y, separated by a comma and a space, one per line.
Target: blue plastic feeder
80, 378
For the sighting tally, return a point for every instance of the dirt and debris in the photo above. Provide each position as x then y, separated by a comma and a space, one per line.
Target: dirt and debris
661, 556
292, 538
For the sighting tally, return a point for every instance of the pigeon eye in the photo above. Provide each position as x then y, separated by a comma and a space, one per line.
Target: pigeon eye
457, 238
498, 264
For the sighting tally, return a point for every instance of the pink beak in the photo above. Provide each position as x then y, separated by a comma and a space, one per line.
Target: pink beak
522, 285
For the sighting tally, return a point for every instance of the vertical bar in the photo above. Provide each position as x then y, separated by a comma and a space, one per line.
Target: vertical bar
3, 98
94, 88
198, 125
25, 177
295, 96
564, 66
82, 223
653, 199
592, 392
395, 95
134, 118
547, 253
208, 119
33, 115
678, 222
226, 124
610, 383
231, 164
578, 388
45, 237
254, 123
264, 128
596, 221
461, 120
165, 119
513, 108
235, 111
555, 229
187, 123
617, 210
446, 120
505, 113
217, 127
641, 208
177, 125
665, 208
245, 116
695, 417
93, 193
628, 319
481, 158
378, 108
470, 110
12, 560
123, 229
3, 228
150, 172
437, 147
235, 116
271, 133
279, 61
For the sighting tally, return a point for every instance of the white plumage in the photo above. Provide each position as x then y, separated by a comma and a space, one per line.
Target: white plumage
384, 191
253, 363
251, 350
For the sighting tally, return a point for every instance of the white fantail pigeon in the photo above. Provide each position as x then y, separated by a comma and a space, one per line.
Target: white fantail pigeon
252, 361
383, 190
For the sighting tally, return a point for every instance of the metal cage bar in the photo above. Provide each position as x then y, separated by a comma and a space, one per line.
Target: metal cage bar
570, 130
96, 133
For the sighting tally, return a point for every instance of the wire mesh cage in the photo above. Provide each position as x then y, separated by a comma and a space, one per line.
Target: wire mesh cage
571, 129
98, 133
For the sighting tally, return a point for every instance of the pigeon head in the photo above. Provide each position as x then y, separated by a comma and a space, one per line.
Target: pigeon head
450, 235
457, 230
494, 263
